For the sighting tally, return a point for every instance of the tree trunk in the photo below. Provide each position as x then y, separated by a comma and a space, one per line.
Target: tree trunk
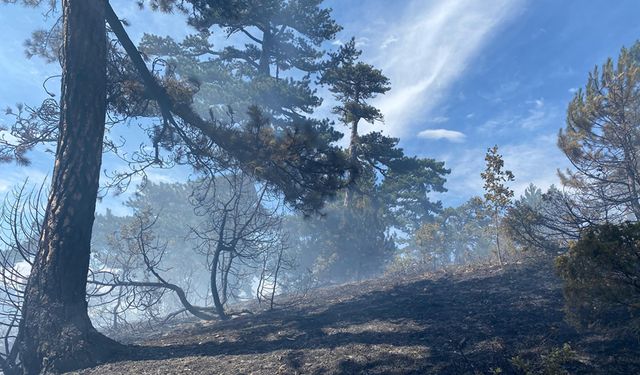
275, 278
497, 224
116, 308
214, 268
353, 157
264, 64
214, 285
56, 333
225, 268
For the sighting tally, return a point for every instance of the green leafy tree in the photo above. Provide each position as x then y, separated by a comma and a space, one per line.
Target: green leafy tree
497, 194
602, 141
532, 196
342, 245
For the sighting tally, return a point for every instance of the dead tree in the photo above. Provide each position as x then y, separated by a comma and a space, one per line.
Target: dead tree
241, 230
273, 264
134, 274
20, 225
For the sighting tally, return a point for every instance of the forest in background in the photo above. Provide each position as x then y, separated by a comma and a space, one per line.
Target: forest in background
279, 201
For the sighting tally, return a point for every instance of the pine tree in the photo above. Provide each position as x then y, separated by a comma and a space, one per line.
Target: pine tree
56, 333
601, 140
276, 53
353, 83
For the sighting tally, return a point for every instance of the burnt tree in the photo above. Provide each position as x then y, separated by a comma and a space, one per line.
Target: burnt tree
56, 333
298, 162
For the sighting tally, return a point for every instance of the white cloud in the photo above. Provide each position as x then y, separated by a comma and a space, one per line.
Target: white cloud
539, 103
389, 41
362, 42
449, 135
436, 41
439, 120
537, 117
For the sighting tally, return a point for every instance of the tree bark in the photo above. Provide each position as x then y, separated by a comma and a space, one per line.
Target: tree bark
56, 333
353, 157
214, 285
497, 224
264, 64
214, 268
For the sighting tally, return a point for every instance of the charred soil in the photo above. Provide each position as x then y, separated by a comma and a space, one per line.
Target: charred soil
467, 321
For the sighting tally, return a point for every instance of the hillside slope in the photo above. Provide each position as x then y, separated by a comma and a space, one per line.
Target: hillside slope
472, 321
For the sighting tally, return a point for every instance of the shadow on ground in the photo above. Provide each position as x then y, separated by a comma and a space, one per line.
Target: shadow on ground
467, 322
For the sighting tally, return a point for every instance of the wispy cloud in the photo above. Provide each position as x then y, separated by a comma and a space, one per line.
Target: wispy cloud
534, 115
389, 41
449, 135
439, 120
537, 116
498, 94
435, 42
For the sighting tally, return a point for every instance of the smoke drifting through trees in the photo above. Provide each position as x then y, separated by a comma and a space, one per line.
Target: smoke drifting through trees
241, 117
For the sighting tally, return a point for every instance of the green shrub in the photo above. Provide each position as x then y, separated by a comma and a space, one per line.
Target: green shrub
602, 277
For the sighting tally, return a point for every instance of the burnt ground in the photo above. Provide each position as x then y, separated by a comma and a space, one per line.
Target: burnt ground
464, 321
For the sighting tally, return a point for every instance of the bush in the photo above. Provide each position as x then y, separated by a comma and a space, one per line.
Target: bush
602, 277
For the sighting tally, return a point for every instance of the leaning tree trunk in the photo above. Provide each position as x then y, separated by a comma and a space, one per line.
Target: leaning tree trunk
214, 286
214, 268
56, 333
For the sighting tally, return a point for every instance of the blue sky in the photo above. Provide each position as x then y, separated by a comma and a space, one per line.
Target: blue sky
466, 74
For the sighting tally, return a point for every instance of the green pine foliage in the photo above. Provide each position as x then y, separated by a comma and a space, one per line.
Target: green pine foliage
602, 277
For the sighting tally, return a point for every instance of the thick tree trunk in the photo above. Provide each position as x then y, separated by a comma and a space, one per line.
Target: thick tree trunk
56, 334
